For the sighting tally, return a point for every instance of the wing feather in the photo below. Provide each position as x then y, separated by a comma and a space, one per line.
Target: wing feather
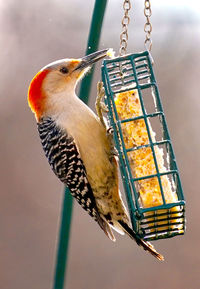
64, 158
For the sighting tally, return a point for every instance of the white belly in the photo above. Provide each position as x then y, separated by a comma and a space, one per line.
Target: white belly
90, 137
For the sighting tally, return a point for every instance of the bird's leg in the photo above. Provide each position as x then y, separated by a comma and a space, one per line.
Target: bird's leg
113, 150
100, 105
100, 109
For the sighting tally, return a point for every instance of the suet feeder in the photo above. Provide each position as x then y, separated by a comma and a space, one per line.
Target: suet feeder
135, 72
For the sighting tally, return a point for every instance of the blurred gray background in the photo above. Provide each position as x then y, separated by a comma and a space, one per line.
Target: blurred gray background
34, 33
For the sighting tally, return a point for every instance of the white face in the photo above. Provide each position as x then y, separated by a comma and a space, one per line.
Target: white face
63, 75
58, 86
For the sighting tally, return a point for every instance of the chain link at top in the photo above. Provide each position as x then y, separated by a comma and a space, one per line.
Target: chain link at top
147, 25
125, 23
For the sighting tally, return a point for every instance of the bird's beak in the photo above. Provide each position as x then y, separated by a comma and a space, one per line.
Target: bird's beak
90, 59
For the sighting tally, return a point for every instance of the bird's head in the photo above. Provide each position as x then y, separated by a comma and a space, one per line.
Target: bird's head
57, 81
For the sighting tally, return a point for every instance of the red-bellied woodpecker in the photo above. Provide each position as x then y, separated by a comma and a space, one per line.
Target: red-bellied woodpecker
77, 146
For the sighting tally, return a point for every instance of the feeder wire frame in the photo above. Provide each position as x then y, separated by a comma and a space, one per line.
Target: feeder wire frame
157, 222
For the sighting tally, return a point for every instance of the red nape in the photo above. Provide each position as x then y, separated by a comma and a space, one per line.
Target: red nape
35, 93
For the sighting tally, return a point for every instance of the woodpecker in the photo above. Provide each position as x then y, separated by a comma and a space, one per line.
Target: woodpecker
77, 146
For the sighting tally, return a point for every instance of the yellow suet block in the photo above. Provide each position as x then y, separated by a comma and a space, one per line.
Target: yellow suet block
141, 160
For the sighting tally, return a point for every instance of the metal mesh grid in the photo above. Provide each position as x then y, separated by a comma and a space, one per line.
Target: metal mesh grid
126, 73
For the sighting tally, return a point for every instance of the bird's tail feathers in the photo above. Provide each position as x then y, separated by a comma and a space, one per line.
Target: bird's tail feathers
146, 245
106, 228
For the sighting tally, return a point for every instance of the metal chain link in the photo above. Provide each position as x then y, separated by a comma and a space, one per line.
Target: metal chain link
147, 25
125, 23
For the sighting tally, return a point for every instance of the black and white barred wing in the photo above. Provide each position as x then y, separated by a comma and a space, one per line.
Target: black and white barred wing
65, 160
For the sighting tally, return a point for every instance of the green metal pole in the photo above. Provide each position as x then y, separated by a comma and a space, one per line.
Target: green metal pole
63, 241
65, 223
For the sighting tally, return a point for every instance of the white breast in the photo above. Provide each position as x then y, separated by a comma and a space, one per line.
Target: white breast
90, 136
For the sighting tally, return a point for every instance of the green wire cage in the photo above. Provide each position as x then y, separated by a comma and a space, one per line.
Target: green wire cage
134, 71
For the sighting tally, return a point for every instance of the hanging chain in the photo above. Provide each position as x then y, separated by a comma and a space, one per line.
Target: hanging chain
147, 25
125, 23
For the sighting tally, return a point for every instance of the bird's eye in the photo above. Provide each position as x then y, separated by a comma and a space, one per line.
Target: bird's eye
64, 70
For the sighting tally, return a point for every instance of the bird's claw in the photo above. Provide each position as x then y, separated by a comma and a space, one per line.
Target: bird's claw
110, 131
